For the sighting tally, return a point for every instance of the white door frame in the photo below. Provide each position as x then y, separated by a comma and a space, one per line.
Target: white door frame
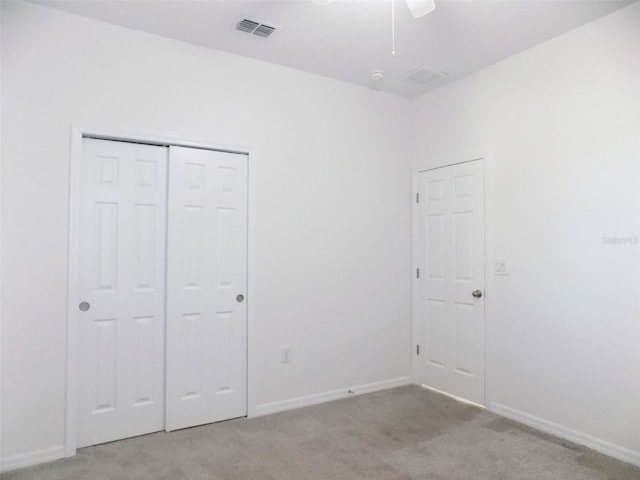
77, 134
485, 158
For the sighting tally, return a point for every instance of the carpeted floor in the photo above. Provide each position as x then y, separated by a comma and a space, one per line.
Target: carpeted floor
400, 434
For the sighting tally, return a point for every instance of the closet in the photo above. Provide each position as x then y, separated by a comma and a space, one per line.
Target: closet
162, 276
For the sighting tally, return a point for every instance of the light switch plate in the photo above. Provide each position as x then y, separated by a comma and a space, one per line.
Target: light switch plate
500, 267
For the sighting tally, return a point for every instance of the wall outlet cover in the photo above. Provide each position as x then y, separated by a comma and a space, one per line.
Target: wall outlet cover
285, 355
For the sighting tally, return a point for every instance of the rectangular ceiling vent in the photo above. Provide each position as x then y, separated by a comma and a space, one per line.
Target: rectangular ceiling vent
257, 28
424, 76
264, 30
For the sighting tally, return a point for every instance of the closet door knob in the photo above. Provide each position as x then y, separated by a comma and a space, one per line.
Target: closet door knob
240, 298
84, 306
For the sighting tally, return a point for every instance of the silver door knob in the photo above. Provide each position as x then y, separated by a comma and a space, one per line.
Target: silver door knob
240, 298
84, 306
476, 294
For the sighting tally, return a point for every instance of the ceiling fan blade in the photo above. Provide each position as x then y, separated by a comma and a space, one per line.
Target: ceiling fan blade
420, 8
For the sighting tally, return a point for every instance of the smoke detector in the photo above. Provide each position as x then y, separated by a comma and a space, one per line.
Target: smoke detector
256, 28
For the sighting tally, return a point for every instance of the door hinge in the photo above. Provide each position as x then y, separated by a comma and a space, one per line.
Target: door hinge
418, 197
417, 273
417, 349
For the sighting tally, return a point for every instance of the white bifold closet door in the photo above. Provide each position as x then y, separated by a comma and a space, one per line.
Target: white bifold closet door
162, 262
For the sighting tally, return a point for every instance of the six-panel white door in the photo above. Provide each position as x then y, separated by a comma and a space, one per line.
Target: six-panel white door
121, 286
144, 280
206, 285
449, 319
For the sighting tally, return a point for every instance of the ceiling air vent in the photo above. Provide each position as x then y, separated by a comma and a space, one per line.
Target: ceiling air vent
246, 25
260, 29
424, 76
264, 31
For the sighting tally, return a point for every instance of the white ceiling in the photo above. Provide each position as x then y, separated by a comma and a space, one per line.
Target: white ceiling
348, 39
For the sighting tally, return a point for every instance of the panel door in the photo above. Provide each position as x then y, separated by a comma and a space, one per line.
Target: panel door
449, 236
122, 284
207, 277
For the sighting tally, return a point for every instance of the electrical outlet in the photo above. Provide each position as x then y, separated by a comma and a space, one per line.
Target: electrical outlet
285, 355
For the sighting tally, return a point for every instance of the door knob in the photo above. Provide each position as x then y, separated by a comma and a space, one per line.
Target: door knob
476, 294
240, 298
84, 306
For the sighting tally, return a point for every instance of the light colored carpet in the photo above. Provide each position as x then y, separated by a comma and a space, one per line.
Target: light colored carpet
401, 434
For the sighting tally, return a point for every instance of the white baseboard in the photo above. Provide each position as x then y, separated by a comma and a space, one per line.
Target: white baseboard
608, 448
31, 458
456, 398
273, 407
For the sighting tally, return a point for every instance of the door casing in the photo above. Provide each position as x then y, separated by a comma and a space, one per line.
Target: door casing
77, 134
422, 167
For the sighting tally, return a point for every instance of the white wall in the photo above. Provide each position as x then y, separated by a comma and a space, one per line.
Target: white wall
332, 267
0, 239
332, 183
562, 124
